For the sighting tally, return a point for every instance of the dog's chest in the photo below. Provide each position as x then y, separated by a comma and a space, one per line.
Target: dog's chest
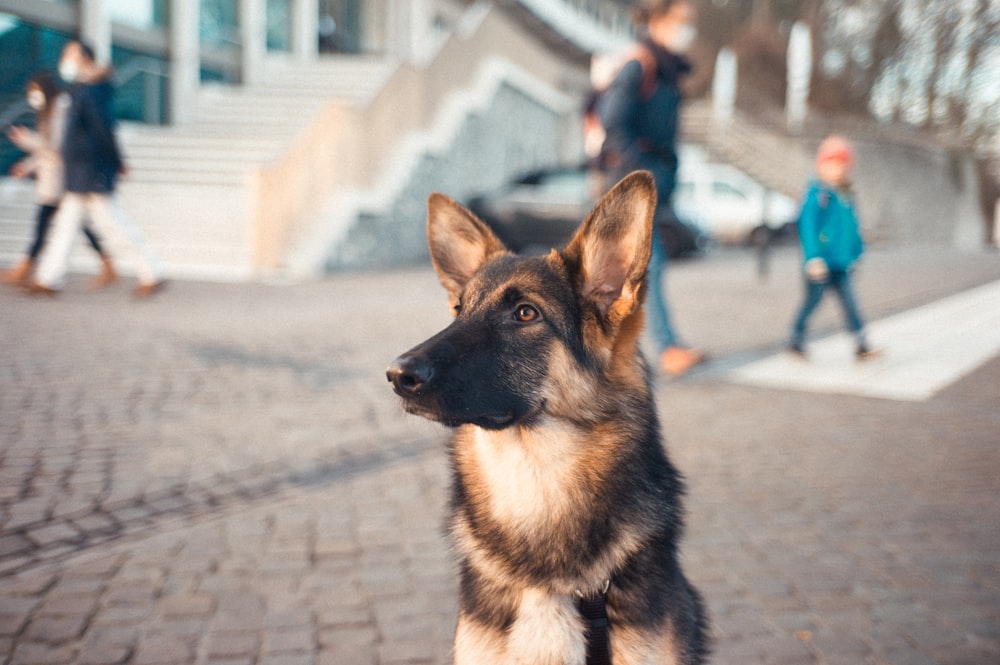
529, 478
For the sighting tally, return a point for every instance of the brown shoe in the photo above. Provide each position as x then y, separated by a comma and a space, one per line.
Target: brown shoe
146, 290
36, 289
19, 274
677, 360
106, 277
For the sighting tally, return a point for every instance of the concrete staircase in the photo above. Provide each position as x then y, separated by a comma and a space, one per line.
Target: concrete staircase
778, 161
189, 187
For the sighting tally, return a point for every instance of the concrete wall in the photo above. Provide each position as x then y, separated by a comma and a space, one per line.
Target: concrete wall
515, 133
917, 195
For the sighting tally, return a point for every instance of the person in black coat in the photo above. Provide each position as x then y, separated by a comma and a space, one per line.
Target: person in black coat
93, 163
639, 112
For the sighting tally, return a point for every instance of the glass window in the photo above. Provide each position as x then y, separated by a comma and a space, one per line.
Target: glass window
725, 190
141, 14
278, 25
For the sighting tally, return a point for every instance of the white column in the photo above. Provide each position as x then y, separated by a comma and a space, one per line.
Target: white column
305, 28
253, 37
799, 75
185, 74
724, 86
95, 28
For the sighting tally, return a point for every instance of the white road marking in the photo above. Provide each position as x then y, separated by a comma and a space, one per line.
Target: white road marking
925, 350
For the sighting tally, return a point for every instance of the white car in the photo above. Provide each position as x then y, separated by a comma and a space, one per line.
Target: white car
727, 204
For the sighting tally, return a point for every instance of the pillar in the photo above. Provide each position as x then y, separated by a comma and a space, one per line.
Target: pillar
724, 86
253, 38
95, 28
799, 75
184, 61
305, 28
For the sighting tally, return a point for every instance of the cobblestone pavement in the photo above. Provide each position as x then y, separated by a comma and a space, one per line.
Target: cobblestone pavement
221, 476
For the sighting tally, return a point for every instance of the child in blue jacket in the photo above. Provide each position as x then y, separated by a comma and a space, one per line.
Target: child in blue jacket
831, 242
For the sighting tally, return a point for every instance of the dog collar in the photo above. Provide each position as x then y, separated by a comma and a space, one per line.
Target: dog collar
594, 610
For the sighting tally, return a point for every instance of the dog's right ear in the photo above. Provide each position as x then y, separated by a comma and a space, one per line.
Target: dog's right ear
459, 243
612, 247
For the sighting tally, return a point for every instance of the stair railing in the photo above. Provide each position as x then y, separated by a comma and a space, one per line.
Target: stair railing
12, 113
153, 72
152, 97
608, 24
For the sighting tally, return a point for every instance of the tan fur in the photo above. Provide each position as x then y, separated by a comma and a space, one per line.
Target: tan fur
635, 647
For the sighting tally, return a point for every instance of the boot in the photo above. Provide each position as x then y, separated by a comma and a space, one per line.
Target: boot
148, 289
20, 273
677, 360
106, 277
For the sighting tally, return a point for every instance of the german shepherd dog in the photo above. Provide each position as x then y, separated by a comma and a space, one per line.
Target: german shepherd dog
561, 488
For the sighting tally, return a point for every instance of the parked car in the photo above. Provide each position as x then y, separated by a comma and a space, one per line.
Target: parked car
730, 206
542, 210
712, 201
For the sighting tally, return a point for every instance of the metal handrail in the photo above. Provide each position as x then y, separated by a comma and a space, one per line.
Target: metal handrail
151, 92
13, 112
130, 70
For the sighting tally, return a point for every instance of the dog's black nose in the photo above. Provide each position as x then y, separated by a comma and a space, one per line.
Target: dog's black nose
409, 375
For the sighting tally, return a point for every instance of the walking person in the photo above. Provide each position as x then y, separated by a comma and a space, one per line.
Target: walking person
831, 243
92, 163
639, 113
44, 161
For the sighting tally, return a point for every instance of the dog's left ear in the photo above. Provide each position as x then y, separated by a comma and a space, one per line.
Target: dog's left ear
459, 243
612, 246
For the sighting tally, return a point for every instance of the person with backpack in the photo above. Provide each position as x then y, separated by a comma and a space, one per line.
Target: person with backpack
831, 243
639, 114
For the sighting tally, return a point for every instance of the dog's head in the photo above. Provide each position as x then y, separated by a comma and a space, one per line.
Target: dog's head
526, 328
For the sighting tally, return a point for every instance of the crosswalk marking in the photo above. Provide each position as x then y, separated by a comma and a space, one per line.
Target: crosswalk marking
925, 350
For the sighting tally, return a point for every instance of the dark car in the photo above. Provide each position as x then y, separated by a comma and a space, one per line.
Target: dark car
542, 210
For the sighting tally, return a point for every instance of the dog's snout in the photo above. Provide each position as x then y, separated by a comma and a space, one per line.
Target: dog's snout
409, 375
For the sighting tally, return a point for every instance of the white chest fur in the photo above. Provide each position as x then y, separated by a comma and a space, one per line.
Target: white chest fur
528, 473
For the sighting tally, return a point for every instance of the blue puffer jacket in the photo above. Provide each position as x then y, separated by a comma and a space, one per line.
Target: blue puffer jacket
639, 113
828, 226
90, 151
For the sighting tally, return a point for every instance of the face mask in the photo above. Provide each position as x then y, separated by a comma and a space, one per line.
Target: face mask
36, 100
683, 38
68, 70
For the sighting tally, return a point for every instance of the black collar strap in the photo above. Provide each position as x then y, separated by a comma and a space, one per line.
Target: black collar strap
594, 610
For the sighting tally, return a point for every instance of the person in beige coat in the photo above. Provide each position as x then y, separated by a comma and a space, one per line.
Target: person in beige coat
44, 161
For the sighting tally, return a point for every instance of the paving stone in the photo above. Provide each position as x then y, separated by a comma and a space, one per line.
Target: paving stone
11, 622
33, 653
14, 544
288, 640
287, 659
56, 629
186, 605
59, 532
105, 654
163, 650
232, 644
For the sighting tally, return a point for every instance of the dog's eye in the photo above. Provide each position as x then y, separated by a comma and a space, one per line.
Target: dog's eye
526, 313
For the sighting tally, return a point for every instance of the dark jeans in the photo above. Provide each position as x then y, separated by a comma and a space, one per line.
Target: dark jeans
42, 222
839, 281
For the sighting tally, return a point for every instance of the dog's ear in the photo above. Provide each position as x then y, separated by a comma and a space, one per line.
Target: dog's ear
612, 246
459, 243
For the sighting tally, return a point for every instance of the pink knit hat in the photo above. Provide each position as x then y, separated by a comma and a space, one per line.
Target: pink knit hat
835, 148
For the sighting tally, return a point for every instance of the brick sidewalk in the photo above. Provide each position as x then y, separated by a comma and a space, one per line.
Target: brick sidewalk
221, 475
